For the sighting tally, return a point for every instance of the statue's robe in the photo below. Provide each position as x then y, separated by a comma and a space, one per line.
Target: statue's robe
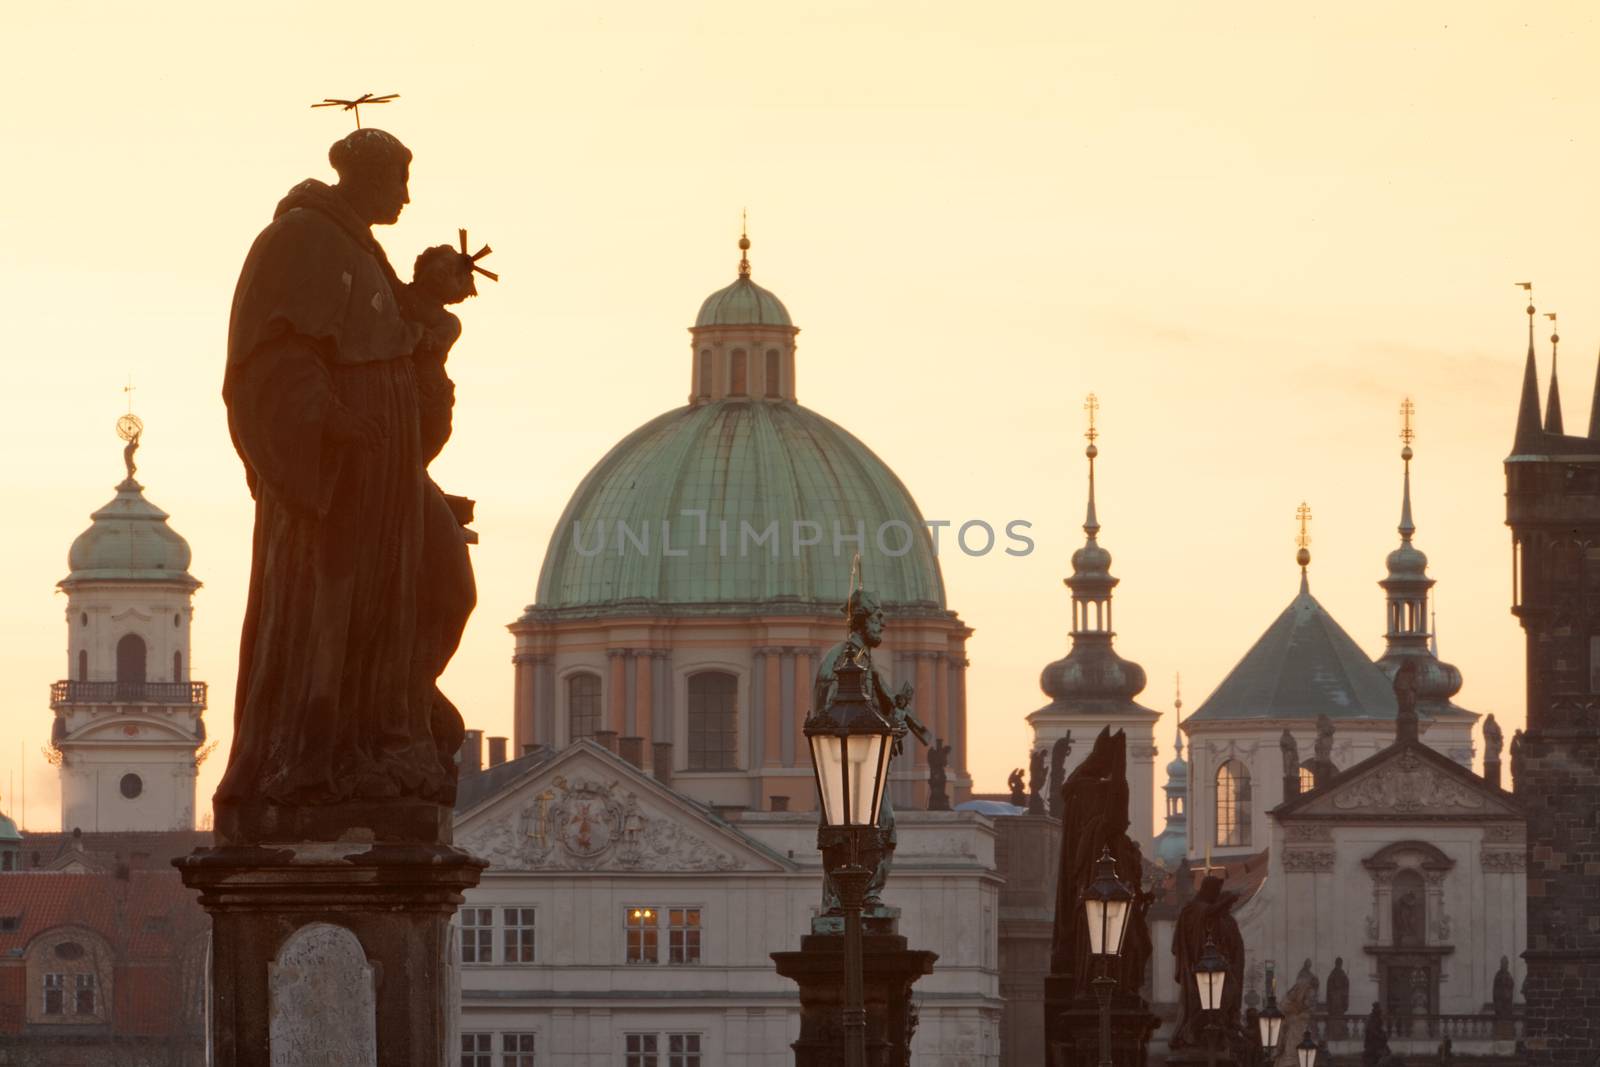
1209, 913
360, 583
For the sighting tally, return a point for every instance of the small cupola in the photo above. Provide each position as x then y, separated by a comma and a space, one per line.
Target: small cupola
742, 343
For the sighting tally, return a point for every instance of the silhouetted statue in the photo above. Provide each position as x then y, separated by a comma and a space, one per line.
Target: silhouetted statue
938, 760
1447, 1053
1338, 1000
1493, 739
1321, 762
1207, 915
1408, 919
1375, 1039
1505, 991
1290, 750
1058, 770
865, 614
1036, 781
1019, 791
1297, 1006
1517, 741
361, 584
1095, 818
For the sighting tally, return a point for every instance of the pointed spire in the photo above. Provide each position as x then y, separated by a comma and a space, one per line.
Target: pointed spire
744, 244
1091, 523
1303, 556
1552, 411
1407, 435
1529, 426
1177, 710
1433, 633
1594, 405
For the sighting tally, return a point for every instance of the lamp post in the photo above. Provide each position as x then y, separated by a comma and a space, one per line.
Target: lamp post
1307, 1051
1107, 903
1270, 1019
850, 749
1211, 978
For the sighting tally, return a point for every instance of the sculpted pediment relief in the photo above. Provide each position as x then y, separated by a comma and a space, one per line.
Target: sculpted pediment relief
588, 820
1411, 785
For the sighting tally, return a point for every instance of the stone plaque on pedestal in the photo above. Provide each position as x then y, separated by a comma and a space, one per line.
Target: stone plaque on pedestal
322, 1008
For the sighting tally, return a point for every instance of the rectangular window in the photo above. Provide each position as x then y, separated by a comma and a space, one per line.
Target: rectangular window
55, 994
641, 1050
85, 999
642, 935
516, 941
516, 1050
683, 1050
475, 1050
477, 935
683, 935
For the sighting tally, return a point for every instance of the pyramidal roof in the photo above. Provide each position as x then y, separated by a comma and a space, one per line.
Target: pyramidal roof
1305, 665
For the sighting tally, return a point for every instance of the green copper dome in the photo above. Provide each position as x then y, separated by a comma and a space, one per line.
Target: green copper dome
767, 477
129, 540
8, 830
744, 303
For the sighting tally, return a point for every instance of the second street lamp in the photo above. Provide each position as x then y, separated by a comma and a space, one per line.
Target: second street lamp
1211, 979
1107, 903
1270, 1020
1307, 1051
850, 749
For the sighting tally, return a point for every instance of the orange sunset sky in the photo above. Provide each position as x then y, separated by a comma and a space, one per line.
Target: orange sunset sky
1251, 229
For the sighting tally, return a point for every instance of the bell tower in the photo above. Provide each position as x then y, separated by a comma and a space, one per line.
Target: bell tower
128, 724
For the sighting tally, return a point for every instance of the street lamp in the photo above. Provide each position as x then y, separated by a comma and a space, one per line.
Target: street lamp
1211, 978
1270, 1020
1307, 1051
1107, 903
850, 749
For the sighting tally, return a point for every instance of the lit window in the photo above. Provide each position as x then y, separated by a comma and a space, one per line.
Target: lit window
1233, 804
1308, 781
517, 938
475, 1050
642, 935
683, 935
85, 1000
55, 994
713, 721
683, 1050
583, 706
641, 1050
516, 1050
477, 935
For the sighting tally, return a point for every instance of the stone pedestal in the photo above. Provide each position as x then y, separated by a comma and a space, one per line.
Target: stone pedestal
889, 970
1072, 1027
329, 953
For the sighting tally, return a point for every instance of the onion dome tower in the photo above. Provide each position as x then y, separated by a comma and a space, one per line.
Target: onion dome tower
695, 578
127, 717
1172, 844
1408, 636
1092, 686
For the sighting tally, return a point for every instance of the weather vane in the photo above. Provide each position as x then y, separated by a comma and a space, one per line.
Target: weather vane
355, 105
1555, 337
1091, 404
744, 243
1303, 513
129, 428
473, 257
1407, 434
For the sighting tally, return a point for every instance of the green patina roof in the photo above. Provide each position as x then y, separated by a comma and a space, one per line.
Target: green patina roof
8, 830
129, 540
744, 303
1305, 665
740, 461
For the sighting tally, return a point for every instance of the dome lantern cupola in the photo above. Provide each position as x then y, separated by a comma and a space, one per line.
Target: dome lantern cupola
742, 342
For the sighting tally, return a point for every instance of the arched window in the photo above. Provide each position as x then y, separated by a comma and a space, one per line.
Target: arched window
177, 666
713, 721
1308, 781
703, 385
774, 373
583, 706
737, 372
130, 660
1174, 806
83, 665
1233, 804
1409, 902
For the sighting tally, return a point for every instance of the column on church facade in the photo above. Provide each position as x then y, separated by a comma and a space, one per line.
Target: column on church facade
754, 742
788, 728
958, 714
804, 665
617, 695
644, 662
772, 704
544, 708
523, 700
940, 723
925, 700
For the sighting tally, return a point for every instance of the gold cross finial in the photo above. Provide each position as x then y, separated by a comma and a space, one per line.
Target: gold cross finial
1407, 409
1303, 513
744, 243
1091, 404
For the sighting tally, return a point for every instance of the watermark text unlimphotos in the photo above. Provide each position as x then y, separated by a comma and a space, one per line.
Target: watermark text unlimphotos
795, 537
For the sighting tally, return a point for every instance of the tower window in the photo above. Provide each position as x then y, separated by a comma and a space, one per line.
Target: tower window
83, 665
1233, 804
737, 373
713, 721
130, 660
774, 372
132, 785
175, 621
83, 618
583, 706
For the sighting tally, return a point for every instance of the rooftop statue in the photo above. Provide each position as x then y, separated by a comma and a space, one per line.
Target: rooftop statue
360, 584
1208, 916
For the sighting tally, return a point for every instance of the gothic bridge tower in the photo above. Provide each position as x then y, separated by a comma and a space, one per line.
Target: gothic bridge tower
1553, 509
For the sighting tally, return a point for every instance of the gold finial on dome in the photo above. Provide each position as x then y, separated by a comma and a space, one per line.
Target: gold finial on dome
744, 244
1303, 556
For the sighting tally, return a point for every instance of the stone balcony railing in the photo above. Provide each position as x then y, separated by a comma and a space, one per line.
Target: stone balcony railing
1457, 1028
190, 694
